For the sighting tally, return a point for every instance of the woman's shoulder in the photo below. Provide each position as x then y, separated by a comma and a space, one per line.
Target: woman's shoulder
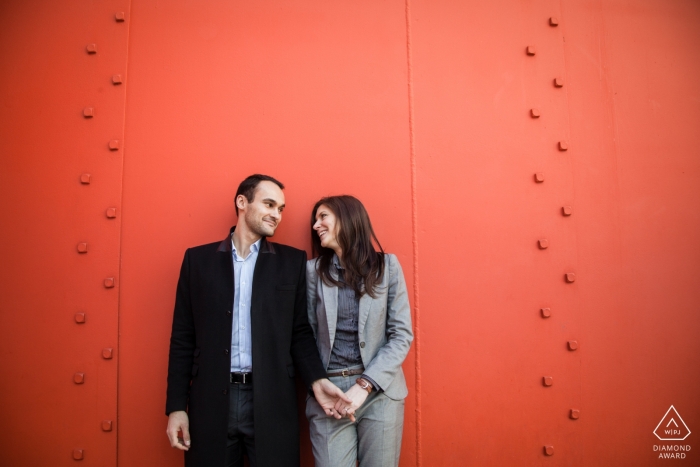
390, 258
311, 265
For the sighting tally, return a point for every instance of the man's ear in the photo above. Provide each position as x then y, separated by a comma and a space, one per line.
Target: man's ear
241, 201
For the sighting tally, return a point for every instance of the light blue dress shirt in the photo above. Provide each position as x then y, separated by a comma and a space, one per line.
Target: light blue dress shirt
241, 348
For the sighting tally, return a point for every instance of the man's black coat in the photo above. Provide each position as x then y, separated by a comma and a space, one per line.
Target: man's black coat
200, 343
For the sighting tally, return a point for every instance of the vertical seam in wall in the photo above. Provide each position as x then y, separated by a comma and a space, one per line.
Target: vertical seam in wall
414, 235
577, 294
121, 229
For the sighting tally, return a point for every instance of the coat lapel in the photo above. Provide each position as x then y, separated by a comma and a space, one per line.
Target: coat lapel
365, 306
330, 300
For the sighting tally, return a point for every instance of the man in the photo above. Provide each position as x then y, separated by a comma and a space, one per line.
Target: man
240, 329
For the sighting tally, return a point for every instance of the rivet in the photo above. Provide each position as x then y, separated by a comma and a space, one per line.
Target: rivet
116, 79
88, 112
106, 425
559, 82
107, 354
78, 454
111, 213
547, 380
531, 50
109, 282
79, 378
570, 277
573, 345
82, 247
563, 146
549, 450
114, 144
543, 243
535, 113
574, 414
539, 177
80, 318
554, 21
85, 179
545, 312
91, 48
567, 210
120, 16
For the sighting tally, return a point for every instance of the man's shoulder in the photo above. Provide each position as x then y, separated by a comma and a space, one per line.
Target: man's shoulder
204, 249
282, 249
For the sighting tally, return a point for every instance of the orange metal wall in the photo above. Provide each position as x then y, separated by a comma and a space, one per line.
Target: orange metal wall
439, 118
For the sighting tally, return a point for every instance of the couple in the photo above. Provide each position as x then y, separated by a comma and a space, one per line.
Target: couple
250, 314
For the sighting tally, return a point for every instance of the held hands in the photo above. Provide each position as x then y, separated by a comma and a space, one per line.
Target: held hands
328, 395
179, 421
358, 396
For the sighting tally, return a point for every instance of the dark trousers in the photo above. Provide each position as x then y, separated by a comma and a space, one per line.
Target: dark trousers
241, 436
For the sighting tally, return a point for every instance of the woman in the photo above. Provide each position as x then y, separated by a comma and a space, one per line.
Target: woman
359, 311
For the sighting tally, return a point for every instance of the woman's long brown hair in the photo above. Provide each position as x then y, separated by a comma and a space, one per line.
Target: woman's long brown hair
364, 266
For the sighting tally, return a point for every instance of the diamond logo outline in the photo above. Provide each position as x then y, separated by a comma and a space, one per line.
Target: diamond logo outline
673, 420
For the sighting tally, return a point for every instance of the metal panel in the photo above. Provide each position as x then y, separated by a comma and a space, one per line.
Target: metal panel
575, 350
494, 171
311, 92
60, 247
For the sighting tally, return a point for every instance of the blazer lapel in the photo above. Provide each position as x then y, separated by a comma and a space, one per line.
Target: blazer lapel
330, 300
264, 271
365, 306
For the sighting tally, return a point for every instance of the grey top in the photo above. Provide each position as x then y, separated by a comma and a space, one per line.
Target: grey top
384, 325
346, 347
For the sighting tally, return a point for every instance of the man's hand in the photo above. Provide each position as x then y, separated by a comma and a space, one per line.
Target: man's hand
358, 396
179, 421
328, 395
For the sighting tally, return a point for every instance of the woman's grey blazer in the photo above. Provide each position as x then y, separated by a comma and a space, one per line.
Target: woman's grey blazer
384, 325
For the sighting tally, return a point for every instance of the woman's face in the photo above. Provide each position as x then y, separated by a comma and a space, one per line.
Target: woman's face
327, 228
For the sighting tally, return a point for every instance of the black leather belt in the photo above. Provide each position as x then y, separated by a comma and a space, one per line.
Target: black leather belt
353, 372
241, 378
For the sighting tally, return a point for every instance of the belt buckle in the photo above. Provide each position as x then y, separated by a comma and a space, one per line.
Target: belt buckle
345, 373
244, 377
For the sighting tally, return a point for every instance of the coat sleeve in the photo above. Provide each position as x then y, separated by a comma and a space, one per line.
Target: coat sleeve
304, 350
182, 344
399, 334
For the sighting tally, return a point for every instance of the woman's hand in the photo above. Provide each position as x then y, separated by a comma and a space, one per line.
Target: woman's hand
328, 395
358, 397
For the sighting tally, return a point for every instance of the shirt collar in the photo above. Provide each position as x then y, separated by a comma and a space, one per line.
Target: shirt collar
254, 248
263, 245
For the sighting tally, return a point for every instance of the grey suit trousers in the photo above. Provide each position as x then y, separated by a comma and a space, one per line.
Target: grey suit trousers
374, 439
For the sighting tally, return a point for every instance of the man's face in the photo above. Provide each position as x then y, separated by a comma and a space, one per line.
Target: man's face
263, 214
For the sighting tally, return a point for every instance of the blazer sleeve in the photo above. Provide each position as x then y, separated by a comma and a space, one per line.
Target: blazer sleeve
304, 350
399, 334
182, 344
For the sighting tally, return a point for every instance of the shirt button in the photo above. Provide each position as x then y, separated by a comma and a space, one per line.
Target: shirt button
225, 391
362, 344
